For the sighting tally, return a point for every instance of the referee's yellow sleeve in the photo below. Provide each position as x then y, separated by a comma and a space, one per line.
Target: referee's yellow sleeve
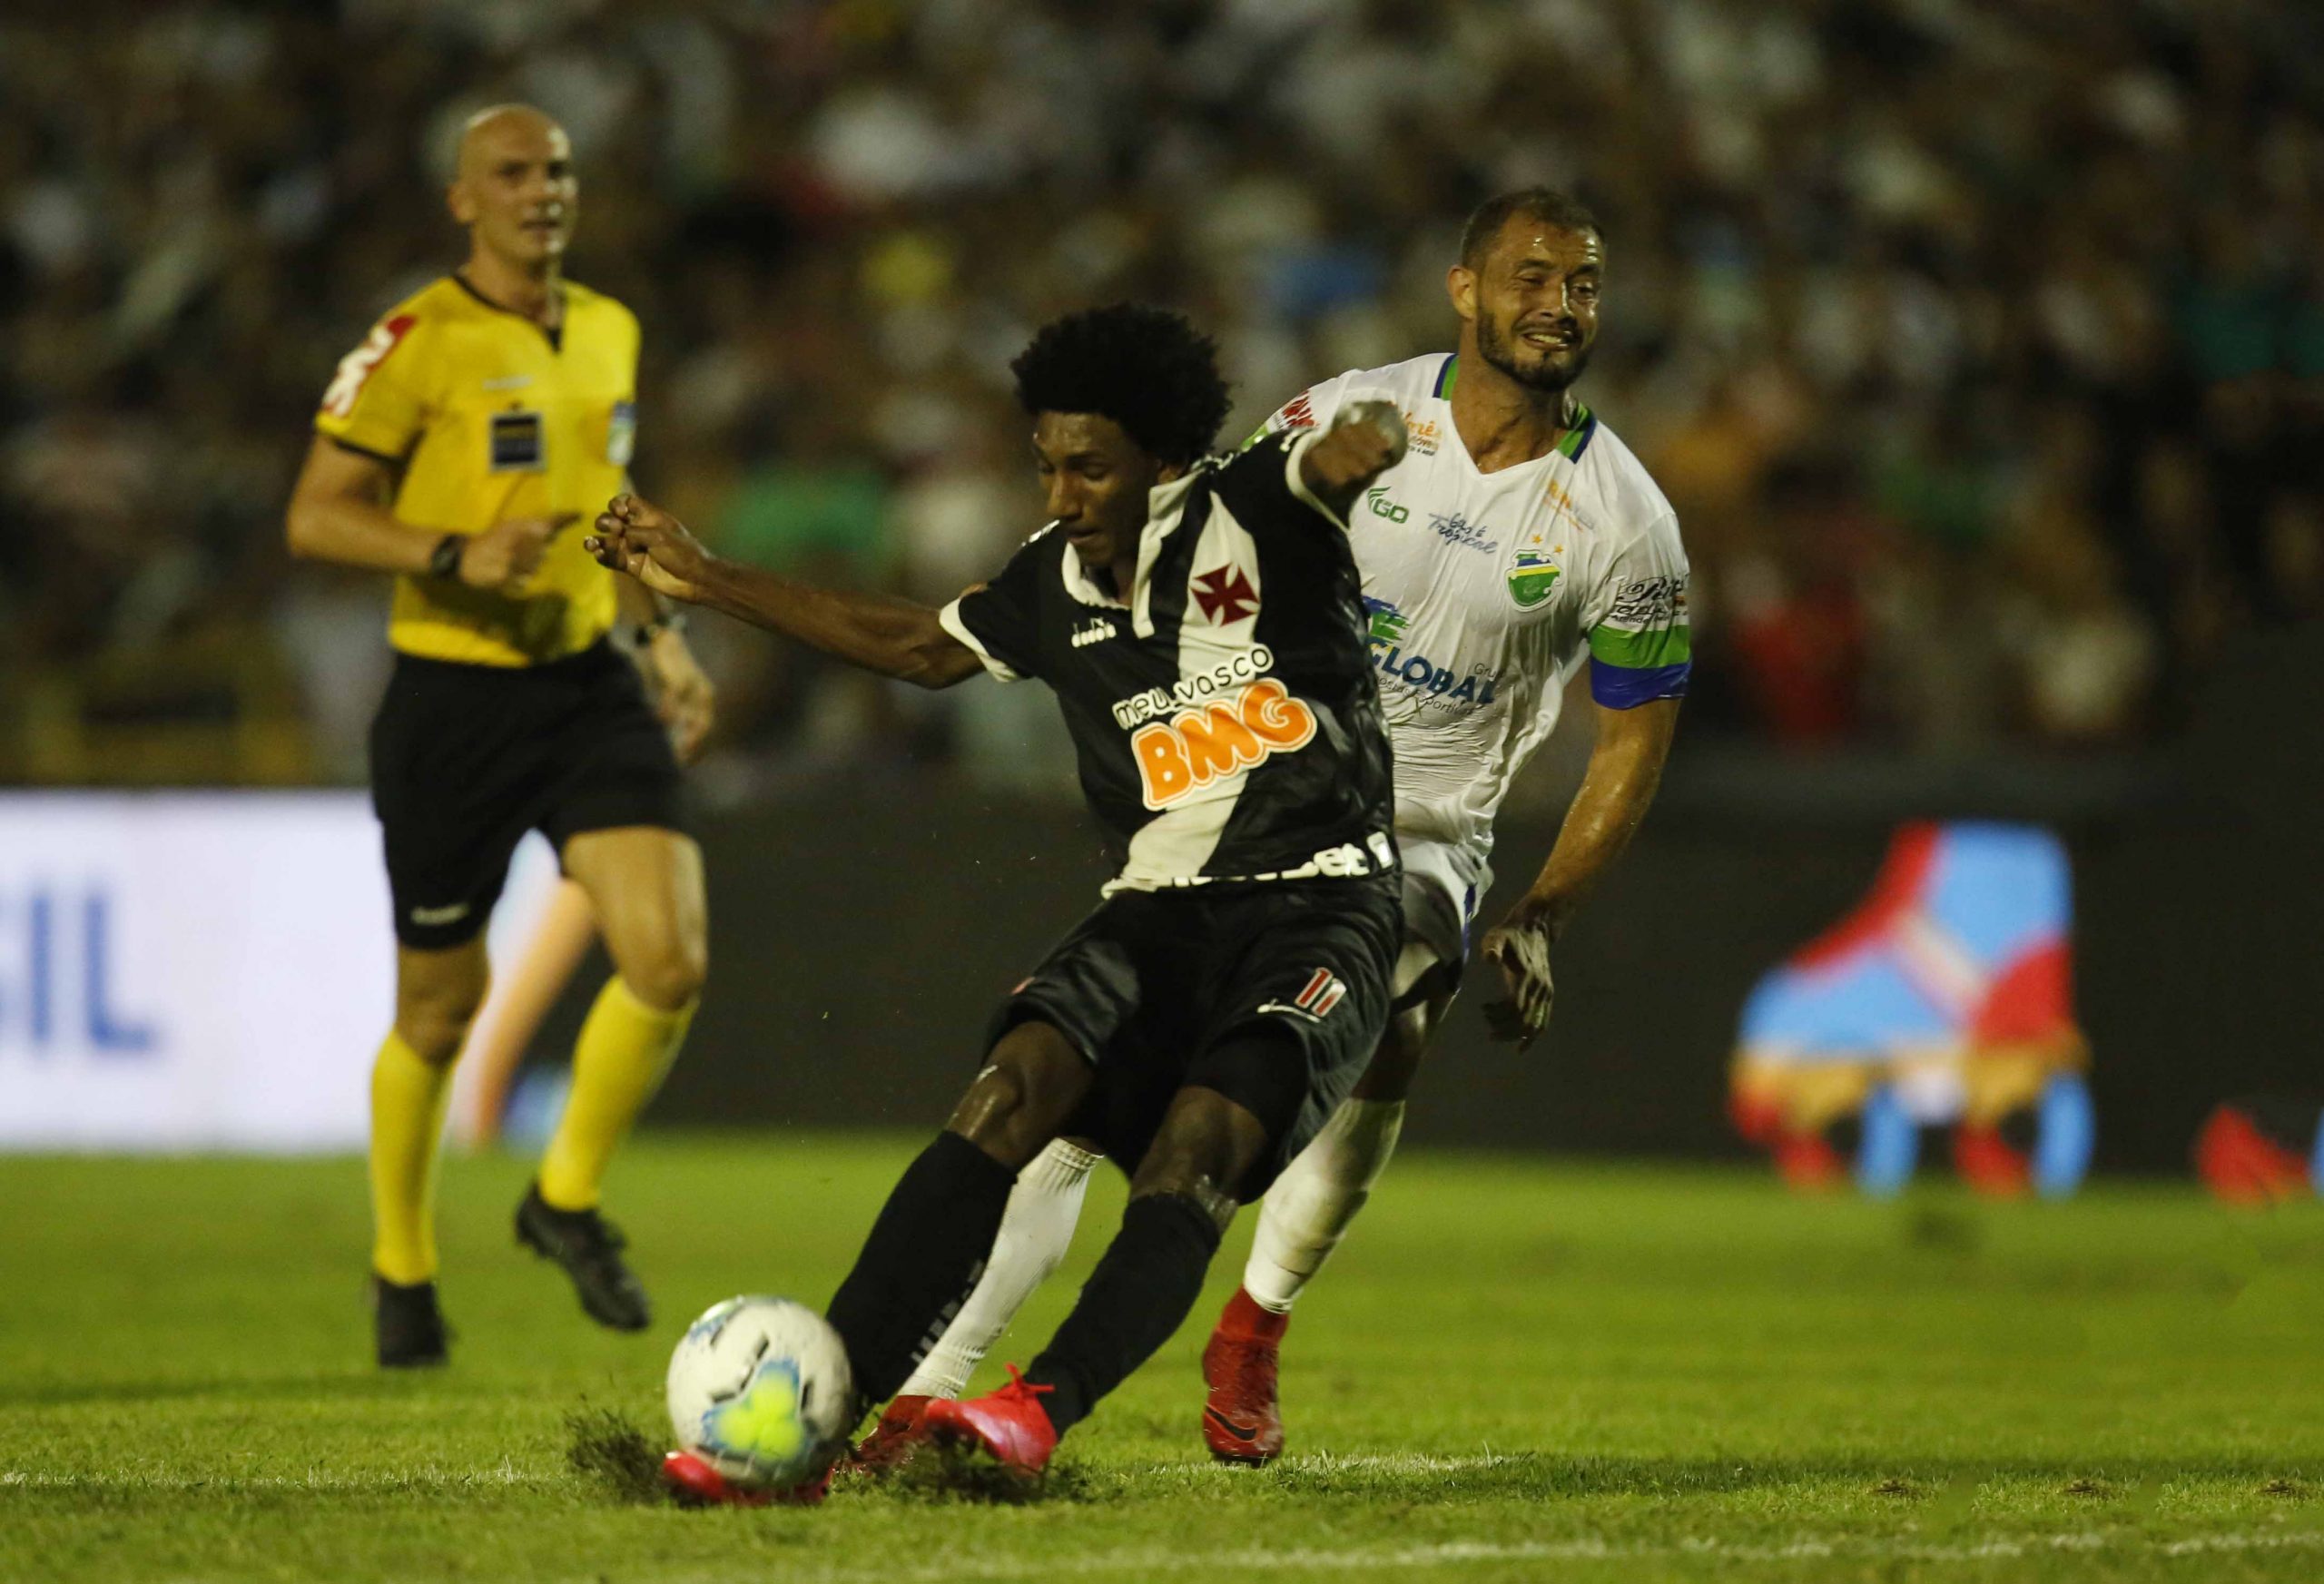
377, 402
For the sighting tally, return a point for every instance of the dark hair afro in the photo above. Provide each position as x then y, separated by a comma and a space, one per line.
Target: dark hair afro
1146, 369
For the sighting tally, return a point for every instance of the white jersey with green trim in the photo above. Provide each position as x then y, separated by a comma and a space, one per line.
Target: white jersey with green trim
1485, 591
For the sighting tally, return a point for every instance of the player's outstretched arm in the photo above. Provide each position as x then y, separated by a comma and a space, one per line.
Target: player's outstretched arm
877, 632
338, 513
1364, 440
1625, 770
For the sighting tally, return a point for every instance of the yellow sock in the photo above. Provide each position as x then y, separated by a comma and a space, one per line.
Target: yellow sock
408, 1099
626, 1048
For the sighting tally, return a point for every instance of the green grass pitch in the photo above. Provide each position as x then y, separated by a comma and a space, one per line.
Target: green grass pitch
1515, 1369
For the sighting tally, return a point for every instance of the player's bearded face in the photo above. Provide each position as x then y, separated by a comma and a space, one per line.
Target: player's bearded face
1536, 304
1094, 483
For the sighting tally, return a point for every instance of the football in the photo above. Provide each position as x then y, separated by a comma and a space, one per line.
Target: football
759, 1388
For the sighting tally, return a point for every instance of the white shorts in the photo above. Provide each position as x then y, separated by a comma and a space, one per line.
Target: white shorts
1443, 884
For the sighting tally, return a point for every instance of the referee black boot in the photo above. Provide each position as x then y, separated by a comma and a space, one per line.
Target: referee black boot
589, 1248
407, 1326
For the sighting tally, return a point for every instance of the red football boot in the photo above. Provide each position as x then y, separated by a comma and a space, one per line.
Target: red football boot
1241, 1421
893, 1440
696, 1484
1009, 1423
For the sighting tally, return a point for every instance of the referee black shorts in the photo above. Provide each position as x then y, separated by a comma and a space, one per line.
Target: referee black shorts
465, 759
1164, 991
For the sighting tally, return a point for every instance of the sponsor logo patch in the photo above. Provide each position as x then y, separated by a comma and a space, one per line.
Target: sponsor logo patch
1189, 691
1648, 602
1222, 739
1386, 629
1457, 529
621, 434
1097, 632
516, 446
356, 367
1421, 435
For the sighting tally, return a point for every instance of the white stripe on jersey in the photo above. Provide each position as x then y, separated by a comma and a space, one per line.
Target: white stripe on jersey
1483, 589
1181, 838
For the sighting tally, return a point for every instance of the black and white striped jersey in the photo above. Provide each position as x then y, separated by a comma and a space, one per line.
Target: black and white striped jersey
1225, 717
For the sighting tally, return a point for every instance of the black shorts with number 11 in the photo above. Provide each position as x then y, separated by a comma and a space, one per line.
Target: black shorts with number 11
1150, 986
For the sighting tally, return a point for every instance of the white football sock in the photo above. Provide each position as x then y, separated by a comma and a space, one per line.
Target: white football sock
1308, 1210
1035, 1232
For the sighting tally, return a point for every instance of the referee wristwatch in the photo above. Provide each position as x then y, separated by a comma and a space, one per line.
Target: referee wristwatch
443, 560
662, 622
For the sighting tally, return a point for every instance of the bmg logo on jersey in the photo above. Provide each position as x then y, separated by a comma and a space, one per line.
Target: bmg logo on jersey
1179, 757
58, 951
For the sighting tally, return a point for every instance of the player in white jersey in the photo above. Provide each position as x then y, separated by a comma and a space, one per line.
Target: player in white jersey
1517, 539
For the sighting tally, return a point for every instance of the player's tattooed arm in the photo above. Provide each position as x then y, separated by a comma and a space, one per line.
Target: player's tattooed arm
1625, 770
877, 632
1364, 440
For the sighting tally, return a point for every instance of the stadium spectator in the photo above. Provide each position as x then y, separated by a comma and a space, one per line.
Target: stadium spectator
1982, 347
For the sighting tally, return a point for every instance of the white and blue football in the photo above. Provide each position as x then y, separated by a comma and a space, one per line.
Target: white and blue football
760, 1389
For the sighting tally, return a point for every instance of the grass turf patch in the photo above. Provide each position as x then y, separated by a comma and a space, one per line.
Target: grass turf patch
1513, 1371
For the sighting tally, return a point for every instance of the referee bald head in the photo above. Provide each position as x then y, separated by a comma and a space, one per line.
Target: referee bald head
514, 187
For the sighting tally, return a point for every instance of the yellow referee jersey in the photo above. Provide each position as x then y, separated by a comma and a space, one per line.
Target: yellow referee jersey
489, 417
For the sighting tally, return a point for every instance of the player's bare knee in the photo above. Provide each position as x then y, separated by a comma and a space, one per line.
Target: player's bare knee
437, 996
671, 976
437, 1026
1028, 1088
1205, 1147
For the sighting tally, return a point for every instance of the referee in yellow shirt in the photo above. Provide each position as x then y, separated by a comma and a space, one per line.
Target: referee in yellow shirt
456, 449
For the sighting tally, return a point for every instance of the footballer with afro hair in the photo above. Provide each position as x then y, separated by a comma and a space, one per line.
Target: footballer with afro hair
1146, 369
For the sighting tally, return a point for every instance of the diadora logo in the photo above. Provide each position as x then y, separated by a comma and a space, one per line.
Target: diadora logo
1097, 632
1219, 740
1325, 990
1421, 435
1377, 499
1459, 530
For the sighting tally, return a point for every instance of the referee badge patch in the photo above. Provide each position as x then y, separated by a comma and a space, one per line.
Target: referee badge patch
517, 442
620, 435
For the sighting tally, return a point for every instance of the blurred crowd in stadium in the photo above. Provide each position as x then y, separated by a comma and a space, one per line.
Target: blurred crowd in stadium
1979, 345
